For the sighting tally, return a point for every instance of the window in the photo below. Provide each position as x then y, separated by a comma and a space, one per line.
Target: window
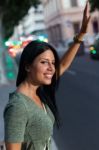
39, 21
95, 26
74, 3
37, 11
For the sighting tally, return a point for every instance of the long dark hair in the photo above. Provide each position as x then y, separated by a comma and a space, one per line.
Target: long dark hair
45, 92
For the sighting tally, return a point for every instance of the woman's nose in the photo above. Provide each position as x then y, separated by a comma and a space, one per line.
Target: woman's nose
50, 66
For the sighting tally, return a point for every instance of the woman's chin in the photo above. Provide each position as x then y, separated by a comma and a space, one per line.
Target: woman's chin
47, 82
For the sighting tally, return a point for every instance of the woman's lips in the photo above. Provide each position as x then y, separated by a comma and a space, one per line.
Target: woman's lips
49, 76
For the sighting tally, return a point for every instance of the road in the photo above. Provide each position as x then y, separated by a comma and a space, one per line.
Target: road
78, 102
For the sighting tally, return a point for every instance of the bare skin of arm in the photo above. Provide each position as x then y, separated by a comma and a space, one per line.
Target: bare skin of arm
70, 54
13, 146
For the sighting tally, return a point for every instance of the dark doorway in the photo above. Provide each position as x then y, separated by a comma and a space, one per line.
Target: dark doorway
95, 26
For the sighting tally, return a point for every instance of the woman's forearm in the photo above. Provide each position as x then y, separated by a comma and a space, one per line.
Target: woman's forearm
70, 54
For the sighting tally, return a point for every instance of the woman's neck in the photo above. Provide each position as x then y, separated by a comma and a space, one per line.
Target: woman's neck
28, 89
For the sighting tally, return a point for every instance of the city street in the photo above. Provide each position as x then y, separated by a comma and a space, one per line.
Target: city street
66, 25
78, 102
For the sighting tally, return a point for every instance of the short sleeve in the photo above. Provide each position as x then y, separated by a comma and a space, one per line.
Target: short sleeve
15, 119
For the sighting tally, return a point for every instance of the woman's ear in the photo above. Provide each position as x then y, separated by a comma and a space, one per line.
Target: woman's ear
27, 68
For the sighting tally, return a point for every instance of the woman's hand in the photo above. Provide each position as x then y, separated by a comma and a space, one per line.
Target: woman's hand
86, 18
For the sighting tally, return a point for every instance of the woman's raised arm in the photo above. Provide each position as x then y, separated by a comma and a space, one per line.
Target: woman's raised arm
70, 54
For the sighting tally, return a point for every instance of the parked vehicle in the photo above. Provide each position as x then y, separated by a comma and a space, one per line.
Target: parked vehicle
94, 50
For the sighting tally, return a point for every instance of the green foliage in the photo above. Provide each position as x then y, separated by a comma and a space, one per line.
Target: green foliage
13, 11
94, 4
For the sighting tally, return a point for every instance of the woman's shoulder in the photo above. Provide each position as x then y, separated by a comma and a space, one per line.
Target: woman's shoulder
16, 98
15, 102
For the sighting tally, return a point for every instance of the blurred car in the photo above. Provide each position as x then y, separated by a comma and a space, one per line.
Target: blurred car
88, 39
94, 50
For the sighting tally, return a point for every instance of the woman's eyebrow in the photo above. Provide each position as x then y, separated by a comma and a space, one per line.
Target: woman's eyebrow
47, 59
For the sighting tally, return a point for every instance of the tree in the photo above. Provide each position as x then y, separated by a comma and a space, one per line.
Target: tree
11, 11
94, 4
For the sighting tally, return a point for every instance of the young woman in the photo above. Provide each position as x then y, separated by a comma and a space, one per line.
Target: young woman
31, 111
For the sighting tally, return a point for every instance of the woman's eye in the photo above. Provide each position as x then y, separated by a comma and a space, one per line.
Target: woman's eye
44, 62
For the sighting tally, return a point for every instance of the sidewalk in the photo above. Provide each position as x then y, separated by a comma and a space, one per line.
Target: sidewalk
4, 96
2, 146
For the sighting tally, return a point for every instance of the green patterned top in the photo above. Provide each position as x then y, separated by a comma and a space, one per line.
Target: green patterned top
25, 122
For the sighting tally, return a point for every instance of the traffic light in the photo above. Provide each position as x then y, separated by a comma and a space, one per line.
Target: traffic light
93, 50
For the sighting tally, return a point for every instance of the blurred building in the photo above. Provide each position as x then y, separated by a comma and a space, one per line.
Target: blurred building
32, 23
63, 19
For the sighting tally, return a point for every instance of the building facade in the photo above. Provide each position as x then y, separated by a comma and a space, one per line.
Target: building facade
32, 23
63, 19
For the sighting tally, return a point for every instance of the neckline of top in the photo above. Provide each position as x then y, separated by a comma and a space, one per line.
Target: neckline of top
30, 99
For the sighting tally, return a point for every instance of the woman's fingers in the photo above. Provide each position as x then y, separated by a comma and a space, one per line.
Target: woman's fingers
86, 18
86, 7
87, 13
87, 10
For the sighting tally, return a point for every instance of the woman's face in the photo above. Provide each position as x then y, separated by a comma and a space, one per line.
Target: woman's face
42, 69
